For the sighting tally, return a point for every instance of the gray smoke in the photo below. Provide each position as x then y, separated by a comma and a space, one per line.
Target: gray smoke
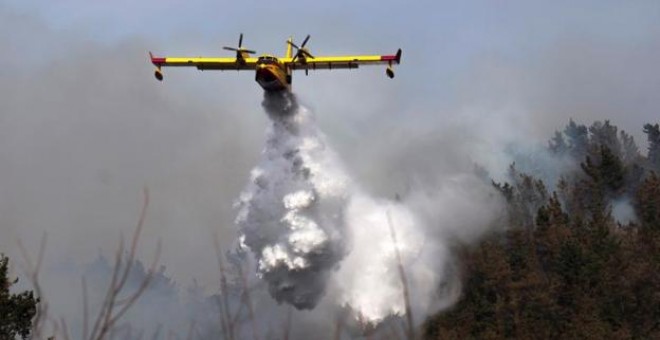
83, 127
314, 231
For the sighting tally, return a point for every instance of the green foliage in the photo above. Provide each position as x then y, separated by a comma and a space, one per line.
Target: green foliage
578, 139
653, 136
16, 310
524, 196
629, 150
605, 135
557, 144
648, 203
566, 269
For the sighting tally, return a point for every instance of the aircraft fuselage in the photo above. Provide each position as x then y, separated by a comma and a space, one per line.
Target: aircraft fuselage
272, 75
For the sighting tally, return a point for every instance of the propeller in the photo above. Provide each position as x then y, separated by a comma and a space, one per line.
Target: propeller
301, 52
239, 50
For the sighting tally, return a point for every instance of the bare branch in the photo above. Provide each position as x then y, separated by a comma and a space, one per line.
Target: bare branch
32, 272
143, 286
134, 242
85, 308
404, 280
108, 299
224, 292
107, 318
221, 313
248, 302
287, 325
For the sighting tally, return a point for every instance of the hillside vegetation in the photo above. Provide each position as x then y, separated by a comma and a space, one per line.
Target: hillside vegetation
579, 261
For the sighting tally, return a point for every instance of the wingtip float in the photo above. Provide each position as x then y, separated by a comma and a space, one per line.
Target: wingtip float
275, 73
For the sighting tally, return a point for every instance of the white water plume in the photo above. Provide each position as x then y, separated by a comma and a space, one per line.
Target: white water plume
311, 229
291, 213
369, 282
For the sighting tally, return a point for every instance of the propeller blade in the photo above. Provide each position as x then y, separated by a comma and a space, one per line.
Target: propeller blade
248, 51
301, 52
305, 41
229, 48
307, 53
240, 40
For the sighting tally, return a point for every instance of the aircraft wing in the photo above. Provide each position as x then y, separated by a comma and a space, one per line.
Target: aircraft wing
342, 62
206, 63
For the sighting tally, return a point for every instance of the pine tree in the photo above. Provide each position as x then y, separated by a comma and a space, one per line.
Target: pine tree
578, 139
557, 145
575, 273
524, 195
648, 203
629, 150
16, 310
605, 134
653, 135
611, 169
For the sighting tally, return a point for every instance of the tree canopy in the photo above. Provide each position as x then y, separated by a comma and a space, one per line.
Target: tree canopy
16, 310
568, 266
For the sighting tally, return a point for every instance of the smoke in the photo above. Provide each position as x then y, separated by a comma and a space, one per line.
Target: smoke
368, 282
83, 127
314, 231
623, 211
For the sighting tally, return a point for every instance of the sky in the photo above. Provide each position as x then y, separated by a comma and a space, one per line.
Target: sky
84, 126
447, 46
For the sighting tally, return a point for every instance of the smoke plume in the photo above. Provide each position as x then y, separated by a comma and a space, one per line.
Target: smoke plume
313, 231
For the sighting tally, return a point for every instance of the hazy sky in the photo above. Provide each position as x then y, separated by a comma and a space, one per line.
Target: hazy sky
535, 56
85, 126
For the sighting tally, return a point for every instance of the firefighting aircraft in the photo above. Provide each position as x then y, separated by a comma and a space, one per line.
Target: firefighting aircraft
272, 73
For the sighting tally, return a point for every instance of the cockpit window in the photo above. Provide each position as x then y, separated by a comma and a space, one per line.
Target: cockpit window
267, 60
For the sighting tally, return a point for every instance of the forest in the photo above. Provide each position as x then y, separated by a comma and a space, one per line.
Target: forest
579, 257
580, 260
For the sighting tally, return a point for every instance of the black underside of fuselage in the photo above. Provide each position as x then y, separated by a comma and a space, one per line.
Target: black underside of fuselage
272, 78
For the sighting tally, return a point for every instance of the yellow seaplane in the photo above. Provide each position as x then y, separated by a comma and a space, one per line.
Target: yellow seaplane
273, 73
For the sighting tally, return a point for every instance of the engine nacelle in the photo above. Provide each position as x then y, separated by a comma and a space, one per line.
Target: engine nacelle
158, 74
390, 72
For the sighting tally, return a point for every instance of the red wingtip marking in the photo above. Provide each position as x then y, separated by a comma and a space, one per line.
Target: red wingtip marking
156, 60
396, 57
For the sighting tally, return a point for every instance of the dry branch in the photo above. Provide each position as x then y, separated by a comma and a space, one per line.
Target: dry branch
225, 316
113, 308
32, 271
404, 281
